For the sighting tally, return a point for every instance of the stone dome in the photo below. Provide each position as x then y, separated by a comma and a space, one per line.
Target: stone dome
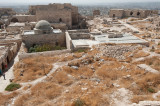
43, 25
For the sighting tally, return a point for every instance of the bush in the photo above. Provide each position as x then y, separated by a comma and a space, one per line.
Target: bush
45, 47
12, 87
151, 90
78, 102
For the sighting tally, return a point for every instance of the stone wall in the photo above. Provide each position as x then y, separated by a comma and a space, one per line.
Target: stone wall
119, 13
7, 11
58, 16
55, 13
69, 44
138, 13
25, 18
75, 36
31, 40
47, 53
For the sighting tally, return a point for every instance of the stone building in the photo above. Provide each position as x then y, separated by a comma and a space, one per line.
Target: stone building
43, 33
96, 12
5, 15
138, 13
53, 13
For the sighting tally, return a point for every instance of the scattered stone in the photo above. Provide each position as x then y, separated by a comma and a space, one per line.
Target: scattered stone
74, 67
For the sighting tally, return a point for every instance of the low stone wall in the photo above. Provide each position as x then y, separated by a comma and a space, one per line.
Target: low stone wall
69, 44
80, 36
79, 31
37, 54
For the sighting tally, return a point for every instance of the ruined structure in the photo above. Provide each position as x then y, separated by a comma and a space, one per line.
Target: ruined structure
53, 13
5, 16
138, 13
96, 12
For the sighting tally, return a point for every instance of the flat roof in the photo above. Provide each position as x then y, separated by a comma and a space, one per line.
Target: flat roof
17, 24
31, 32
127, 38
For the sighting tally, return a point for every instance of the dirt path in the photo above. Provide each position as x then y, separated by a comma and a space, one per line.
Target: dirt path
9, 75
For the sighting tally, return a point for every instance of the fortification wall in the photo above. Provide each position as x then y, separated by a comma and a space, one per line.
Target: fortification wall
56, 16
138, 13
25, 18
119, 13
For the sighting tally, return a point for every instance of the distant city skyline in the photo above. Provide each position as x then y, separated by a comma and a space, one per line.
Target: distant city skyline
70, 1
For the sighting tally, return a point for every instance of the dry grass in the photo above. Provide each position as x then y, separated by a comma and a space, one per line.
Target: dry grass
140, 54
6, 99
112, 71
154, 62
32, 68
60, 77
82, 71
40, 93
138, 98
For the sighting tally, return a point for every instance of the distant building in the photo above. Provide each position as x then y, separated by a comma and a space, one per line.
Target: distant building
96, 12
53, 13
138, 13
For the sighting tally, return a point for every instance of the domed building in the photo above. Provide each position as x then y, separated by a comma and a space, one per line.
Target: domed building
43, 27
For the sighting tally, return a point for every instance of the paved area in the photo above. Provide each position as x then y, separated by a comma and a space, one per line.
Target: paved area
9, 75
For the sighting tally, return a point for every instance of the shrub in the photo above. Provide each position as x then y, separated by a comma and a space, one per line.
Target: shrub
12, 87
78, 102
151, 90
45, 47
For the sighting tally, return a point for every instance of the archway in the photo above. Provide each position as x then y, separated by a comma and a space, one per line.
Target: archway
1, 24
14, 20
138, 13
60, 20
114, 15
7, 60
131, 13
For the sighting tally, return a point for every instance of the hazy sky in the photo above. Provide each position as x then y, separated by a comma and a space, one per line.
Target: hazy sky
70, 1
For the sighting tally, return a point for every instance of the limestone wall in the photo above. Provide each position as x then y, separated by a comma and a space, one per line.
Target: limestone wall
48, 53
69, 44
25, 18
119, 13
31, 40
55, 16
138, 13
80, 36
7, 11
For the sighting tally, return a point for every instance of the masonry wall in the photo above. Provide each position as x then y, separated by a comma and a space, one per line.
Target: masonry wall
55, 16
116, 13
25, 18
138, 13
31, 40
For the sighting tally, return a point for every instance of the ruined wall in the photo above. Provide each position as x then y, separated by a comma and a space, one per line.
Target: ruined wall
25, 18
7, 11
138, 13
119, 13
31, 40
80, 36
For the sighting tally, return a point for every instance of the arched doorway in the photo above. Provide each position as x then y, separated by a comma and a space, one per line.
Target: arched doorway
60, 20
1, 24
114, 15
14, 20
7, 60
131, 13
138, 13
